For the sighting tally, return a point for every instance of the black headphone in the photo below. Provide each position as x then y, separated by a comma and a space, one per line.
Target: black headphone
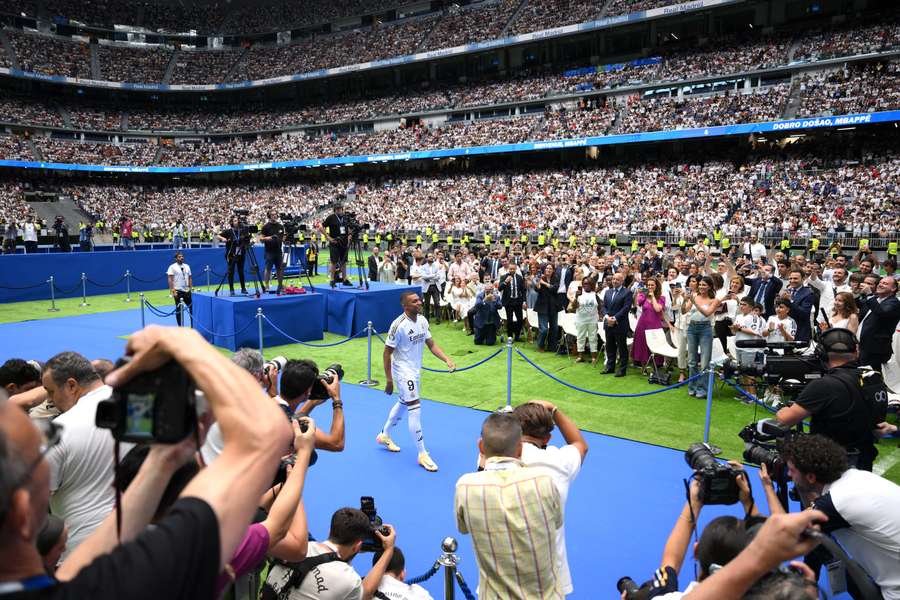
835, 339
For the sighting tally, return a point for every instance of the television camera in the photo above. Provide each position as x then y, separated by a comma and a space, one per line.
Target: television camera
790, 371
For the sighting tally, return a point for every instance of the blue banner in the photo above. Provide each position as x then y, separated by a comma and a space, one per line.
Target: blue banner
399, 60
607, 140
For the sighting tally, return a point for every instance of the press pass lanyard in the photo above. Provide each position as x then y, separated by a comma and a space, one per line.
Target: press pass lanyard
38, 582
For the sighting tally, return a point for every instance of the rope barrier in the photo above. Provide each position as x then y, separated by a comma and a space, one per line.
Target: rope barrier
136, 278
239, 331
69, 291
578, 389
107, 285
25, 287
750, 396
464, 587
460, 370
428, 575
296, 341
158, 311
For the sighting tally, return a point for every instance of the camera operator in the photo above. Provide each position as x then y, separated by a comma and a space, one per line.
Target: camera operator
842, 401
235, 250
272, 237
338, 236
181, 282
183, 555
331, 577
862, 508
392, 585
62, 235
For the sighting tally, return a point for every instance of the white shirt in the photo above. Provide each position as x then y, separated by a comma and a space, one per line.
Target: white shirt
335, 580
587, 308
776, 336
749, 321
30, 233
395, 589
407, 338
180, 276
871, 505
563, 465
81, 469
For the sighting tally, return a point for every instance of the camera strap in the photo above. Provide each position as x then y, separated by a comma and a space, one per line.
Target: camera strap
298, 572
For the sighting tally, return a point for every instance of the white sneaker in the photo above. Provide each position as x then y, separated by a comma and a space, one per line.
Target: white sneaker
386, 441
426, 462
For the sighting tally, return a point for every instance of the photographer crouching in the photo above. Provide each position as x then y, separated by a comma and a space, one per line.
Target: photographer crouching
848, 403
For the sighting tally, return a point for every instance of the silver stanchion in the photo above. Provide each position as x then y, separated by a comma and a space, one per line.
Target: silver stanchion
84, 301
143, 304
259, 318
52, 296
207, 270
449, 561
509, 357
710, 383
127, 285
181, 312
368, 381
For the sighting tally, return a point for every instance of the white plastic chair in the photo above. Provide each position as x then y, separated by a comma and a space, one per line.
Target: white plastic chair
891, 369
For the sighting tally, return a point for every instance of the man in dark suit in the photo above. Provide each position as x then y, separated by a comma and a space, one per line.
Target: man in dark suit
565, 272
616, 304
876, 330
512, 296
374, 264
802, 301
485, 320
764, 289
490, 266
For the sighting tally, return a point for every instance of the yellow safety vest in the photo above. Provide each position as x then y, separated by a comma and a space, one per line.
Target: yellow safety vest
487, 240
365, 238
506, 242
524, 238
682, 243
428, 231
449, 240
378, 238
726, 243
613, 242
434, 238
785, 244
717, 235
814, 244
863, 242
541, 239
660, 244
419, 239
572, 241
556, 243
634, 245
593, 241
892, 248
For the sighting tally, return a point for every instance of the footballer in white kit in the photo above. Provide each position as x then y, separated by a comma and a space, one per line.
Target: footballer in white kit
403, 349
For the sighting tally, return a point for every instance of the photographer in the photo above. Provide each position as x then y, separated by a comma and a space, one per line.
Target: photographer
86, 237
842, 402
862, 508
335, 231
182, 556
62, 235
297, 381
235, 238
329, 576
392, 586
272, 237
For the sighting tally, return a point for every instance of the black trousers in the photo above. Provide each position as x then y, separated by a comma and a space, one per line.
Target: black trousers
239, 263
432, 298
616, 345
486, 335
514, 310
553, 330
186, 296
30, 247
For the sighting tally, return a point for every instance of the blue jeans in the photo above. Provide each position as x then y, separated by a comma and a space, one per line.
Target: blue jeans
178, 242
543, 328
699, 348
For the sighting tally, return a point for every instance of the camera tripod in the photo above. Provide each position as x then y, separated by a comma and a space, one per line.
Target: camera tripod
291, 246
357, 250
239, 247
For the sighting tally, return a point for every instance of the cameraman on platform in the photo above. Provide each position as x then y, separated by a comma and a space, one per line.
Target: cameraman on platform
842, 402
235, 249
272, 237
335, 231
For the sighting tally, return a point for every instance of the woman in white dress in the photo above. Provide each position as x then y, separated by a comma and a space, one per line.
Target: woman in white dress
461, 300
388, 270
844, 314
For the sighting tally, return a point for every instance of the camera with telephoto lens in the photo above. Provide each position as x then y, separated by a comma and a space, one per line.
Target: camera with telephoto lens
278, 363
333, 371
159, 406
761, 446
372, 543
718, 481
629, 590
791, 372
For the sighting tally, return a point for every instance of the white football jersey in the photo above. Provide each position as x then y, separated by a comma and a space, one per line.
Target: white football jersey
407, 338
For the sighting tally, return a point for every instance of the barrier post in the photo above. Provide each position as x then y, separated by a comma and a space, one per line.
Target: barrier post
449, 560
127, 285
710, 384
368, 381
206, 268
84, 301
143, 304
259, 318
181, 312
509, 357
52, 296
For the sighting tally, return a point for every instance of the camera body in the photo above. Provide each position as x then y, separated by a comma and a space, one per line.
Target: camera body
718, 481
158, 406
761, 446
327, 376
372, 543
789, 371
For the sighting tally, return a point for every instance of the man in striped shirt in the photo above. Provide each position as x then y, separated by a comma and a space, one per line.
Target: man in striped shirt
512, 512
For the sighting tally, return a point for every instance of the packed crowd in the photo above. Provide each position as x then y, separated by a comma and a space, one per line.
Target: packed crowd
13, 147
96, 153
763, 104
96, 118
15, 109
203, 66
536, 16
623, 7
147, 65
847, 42
464, 26
51, 55
852, 89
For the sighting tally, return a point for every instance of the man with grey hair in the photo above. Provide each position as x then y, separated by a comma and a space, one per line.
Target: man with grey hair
81, 465
512, 512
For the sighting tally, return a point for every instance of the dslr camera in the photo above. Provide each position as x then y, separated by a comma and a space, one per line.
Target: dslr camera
761, 446
372, 543
718, 481
334, 370
159, 406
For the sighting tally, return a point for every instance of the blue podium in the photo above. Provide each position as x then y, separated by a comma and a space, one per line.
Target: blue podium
230, 321
349, 309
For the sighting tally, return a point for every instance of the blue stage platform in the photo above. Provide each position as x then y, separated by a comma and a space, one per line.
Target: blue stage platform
349, 309
230, 321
